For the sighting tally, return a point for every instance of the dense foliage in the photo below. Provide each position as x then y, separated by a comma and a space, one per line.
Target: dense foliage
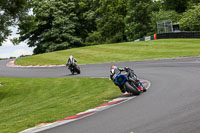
53, 27
63, 24
177, 5
137, 19
191, 19
10, 10
110, 22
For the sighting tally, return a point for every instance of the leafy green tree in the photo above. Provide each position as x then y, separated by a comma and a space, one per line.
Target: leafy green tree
52, 27
110, 22
190, 20
155, 6
192, 3
10, 11
86, 13
178, 5
138, 20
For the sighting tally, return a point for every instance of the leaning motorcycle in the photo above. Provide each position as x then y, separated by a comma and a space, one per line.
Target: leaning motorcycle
127, 82
74, 68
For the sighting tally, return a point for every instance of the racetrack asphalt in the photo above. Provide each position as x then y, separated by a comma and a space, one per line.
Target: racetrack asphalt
171, 105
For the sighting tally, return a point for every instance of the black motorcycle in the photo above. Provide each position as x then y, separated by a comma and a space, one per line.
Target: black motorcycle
127, 81
72, 66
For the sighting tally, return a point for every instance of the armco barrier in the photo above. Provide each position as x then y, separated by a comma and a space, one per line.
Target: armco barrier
183, 34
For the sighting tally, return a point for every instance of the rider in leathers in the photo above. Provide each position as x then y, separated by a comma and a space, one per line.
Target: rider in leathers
130, 73
70, 61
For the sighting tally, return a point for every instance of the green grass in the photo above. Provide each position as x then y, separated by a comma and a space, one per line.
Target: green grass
129, 51
27, 102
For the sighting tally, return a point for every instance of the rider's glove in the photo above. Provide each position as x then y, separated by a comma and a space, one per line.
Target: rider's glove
126, 69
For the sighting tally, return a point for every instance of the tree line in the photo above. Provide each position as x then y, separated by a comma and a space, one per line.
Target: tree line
51, 25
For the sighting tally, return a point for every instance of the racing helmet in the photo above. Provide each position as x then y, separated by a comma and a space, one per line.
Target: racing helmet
112, 69
70, 56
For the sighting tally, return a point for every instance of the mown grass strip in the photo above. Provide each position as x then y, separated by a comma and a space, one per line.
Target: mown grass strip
27, 102
129, 51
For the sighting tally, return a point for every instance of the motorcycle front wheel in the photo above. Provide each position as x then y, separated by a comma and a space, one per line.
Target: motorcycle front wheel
71, 70
131, 89
78, 70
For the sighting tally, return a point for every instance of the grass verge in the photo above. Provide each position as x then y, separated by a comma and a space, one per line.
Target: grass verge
129, 51
27, 102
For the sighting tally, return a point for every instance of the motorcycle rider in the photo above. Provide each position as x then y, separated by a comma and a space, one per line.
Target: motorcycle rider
70, 61
130, 73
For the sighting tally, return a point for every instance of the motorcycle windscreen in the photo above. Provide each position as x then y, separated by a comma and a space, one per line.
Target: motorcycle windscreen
120, 79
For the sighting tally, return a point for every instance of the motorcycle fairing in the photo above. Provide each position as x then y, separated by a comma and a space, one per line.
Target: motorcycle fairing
120, 79
140, 86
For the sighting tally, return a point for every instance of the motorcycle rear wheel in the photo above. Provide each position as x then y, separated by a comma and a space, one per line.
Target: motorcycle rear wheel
131, 89
78, 70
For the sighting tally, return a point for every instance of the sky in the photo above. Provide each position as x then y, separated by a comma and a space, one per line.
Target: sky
8, 50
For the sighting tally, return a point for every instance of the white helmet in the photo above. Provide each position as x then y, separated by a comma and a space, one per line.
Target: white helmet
112, 69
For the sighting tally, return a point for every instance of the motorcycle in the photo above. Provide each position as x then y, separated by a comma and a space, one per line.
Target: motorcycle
127, 81
73, 67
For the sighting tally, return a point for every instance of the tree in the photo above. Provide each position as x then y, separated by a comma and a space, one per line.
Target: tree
138, 19
110, 22
86, 13
52, 27
192, 3
10, 11
190, 19
178, 5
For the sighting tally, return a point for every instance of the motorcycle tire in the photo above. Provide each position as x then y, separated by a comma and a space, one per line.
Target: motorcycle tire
144, 89
72, 72
78, 70
131, 89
